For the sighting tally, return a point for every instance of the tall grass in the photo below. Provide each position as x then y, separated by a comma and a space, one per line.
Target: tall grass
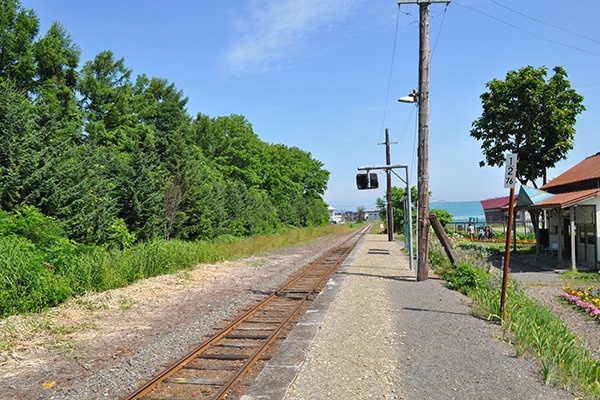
533, 329
34, 277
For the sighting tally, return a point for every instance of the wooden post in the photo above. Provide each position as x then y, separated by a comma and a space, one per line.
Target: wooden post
573, 237
510, 180
511, 209
388, 173
443, 238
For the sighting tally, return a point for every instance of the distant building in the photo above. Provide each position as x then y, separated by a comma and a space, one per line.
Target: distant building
335, 217
340, 217
496, 209
496, 213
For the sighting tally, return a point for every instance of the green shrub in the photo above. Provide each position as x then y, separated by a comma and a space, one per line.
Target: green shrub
27, 283
465, 277
45, 233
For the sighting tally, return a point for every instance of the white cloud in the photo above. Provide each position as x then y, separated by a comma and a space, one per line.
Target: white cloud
272, 31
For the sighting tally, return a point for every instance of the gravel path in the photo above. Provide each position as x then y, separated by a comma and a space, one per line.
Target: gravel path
387, 336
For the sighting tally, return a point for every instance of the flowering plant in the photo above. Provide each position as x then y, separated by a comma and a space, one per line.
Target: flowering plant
586, 300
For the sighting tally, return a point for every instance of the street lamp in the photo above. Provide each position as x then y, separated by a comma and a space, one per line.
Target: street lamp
411, 98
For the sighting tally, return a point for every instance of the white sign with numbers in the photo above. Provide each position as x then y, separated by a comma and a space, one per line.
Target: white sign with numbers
510, 171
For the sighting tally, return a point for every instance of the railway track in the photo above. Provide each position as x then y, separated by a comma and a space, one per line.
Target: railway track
225, 364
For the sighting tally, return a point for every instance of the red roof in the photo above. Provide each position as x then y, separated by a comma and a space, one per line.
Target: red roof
497, 203
588, 169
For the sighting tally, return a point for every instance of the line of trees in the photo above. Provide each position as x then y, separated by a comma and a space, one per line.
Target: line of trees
117, 159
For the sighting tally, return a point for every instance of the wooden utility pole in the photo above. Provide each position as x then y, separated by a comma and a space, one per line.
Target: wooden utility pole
423, 150
390, 212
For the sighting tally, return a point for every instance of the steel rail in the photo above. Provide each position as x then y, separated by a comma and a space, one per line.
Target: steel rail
150, 385
258, 352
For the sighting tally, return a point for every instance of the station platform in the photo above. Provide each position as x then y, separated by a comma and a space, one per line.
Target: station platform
376, 333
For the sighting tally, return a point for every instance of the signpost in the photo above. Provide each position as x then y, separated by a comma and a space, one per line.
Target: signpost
510, 180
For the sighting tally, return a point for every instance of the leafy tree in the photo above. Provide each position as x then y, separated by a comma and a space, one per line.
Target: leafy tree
164, 155
295, 182
291, 179
18, 29
85, 199
57, 59
234, 146
105, 89
19, 146
531, 116
360, 214
444, 216
141, 192
398, 207
160, 108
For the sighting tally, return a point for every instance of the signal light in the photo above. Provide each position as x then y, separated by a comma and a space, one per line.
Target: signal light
367, 180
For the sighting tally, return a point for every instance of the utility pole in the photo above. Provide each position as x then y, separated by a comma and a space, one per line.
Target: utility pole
390, 212
423, 150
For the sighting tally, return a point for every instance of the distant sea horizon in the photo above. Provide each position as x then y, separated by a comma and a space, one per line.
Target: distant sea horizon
462, 211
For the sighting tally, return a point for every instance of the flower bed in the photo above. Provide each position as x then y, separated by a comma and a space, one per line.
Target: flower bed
587, 301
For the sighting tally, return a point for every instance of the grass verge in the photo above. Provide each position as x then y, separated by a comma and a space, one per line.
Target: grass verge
529, 326
35, 277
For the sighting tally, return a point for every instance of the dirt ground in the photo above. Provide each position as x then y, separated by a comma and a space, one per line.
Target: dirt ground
87, 334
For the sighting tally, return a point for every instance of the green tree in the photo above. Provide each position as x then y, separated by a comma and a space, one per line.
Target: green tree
531, 116
360, 214
398, 207
85, 199
18, 29
234, 146
57, 58
141, 192
160, 108
295, 182
445, 217
106, 94
20, 156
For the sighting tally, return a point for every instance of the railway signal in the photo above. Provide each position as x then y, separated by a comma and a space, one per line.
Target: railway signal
367, 180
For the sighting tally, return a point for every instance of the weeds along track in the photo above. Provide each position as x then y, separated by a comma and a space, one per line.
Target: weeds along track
224, 365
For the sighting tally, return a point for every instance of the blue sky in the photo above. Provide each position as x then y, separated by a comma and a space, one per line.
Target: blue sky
325, 76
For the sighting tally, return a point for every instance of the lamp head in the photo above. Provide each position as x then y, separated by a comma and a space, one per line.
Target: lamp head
411, 98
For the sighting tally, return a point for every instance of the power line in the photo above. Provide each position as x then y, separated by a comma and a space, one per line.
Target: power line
545, 23
387, 95
437, 38
528, 32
